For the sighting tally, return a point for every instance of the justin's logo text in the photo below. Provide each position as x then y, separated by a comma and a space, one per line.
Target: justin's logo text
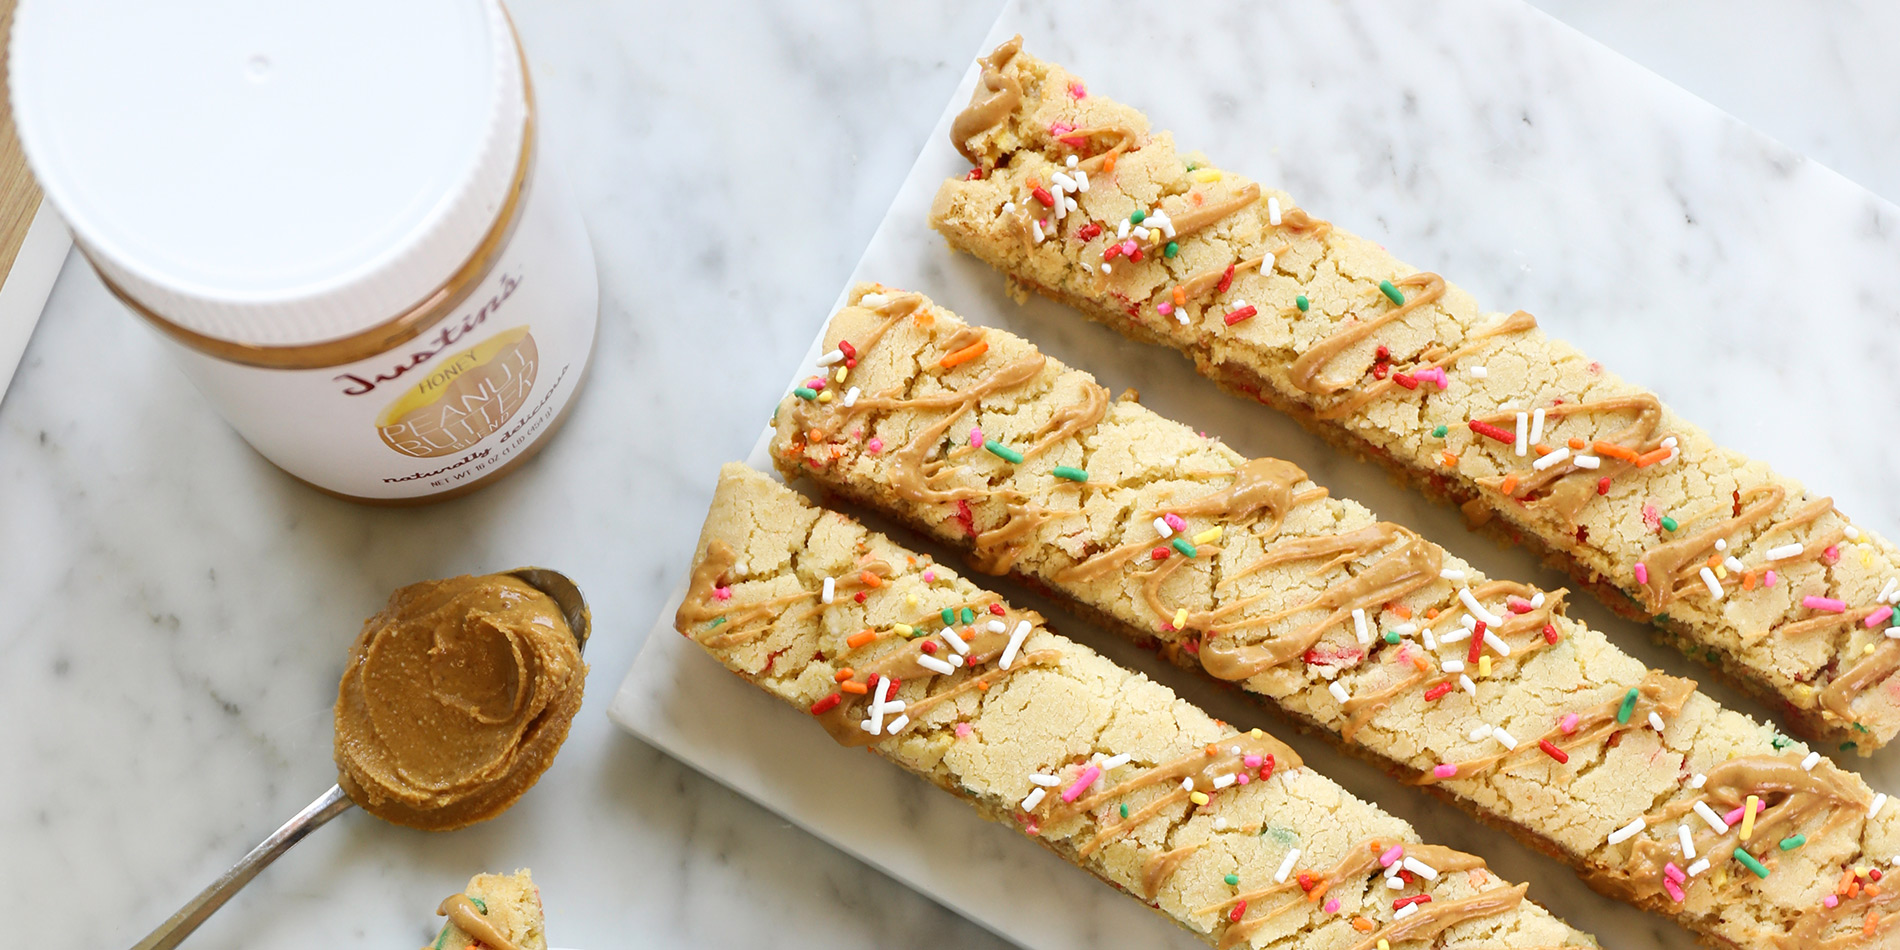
464, 399
452, 333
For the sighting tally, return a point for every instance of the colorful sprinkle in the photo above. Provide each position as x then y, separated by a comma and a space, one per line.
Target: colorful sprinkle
1003, 452
1793, 841
1668, 523
1748, 861
1629, 706
962, 356
1182, 545
1233, 880
1171, 250
1302, 303
806, 393
1391, 292
1071, 473
1239, 314
1439, 432
1550, 749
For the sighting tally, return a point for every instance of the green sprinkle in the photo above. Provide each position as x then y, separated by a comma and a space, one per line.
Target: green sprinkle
1181, 544
1124, 809
1391, 292
1233, 880
1849, 746
716, 622
1668, 523
1071, 473
1860, 728
806, 393
969, 616
1780, 742
949, 616
1894, 621
480, 905
1003, 452
1171, 250
1301, 302
1391, 636
1629, 706
1439, 432
1793, 841
1190, 165
1138, 216
444, 935
1748, 860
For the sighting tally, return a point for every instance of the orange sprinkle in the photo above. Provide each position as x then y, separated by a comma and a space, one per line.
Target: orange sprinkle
1873, 890
1748, 581
1313, 896
983, 685
1647, 459
923, 318
844, 674
964, 355
1847, 877
1180, 297
871, 580
1612, 450
1362, 925
1870, 924
1449, 459
1033, 182
1853, 890
1431, 613
854, 688
1197, 198
1542, 449
860, 638
1419, 664
1108, 164
1509, 484
1576, 445
813, 435
1715, 560
1404, 612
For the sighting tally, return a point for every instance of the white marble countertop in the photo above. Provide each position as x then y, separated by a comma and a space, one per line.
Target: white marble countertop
181, 609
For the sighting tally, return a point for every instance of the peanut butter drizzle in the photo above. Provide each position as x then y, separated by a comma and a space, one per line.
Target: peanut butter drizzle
1188, 218
1209, 279
1806, 935
1391, 577
1791, 797
1656, 692
1203, 766
1126, 139
1434, 357
1434, 918
1358, 861
1559, 492
998, 548
1674, 562
996, 96
702, 606
1159, 867
463, 913
1070, 420
1299, 222
1866, 672
911, 473
1306, 369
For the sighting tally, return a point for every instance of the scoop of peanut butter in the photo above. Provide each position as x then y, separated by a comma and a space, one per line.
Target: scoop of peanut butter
455, 700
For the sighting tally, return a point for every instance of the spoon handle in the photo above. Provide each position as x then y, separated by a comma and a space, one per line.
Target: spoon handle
173, 932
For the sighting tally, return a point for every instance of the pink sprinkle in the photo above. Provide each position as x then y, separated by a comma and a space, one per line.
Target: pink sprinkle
1252, 761
725, 593
930, 577
1878, 617
1569, 723
816, 382
1829, 604
1733, 818
976, 437
1434, 375
1830, 902
1675, 891
1642, 573
1332, 905
1082, 782
1674, 873
1077, 90
1060, 128
1129, 247
1832, 554
1391, 855
874, 446
963, 730
1445, 770
1769, 579
1241, 778
1175, 521
1518, 605
1651, 517
1164, 308
1032, 829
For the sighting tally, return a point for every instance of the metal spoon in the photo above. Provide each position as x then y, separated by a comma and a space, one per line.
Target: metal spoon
171, 933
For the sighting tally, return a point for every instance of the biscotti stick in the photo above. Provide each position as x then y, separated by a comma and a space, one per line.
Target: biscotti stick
1739, 566
1224, 832
1383, 641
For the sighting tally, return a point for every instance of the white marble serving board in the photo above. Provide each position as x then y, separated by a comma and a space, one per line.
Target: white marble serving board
1480, 139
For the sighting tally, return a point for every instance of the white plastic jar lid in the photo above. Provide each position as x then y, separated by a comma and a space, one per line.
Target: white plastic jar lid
269, 172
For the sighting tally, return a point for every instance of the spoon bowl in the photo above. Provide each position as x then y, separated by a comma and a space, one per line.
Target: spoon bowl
580, 621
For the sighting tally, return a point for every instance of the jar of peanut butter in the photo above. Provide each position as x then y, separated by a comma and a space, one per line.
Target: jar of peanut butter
337, 215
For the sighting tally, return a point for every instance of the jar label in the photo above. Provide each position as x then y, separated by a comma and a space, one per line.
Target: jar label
465, 400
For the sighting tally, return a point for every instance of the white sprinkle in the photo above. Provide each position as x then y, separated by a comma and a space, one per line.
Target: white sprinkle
935, 665
1479, 372
1223, 781
1471, 603
1070, 204
1116, 761
956, 659
832, 358
851, 397
1162, 529
1537, 426
1505, 739
1141, 233
1708, 579
1587, 461
1420, 868
874, 301
1655, 721
1470, 622
1273, 210
1071, 163
1431, 642
1359, 626
1784, 551
1033, 799
1459, 635
1537, 600
1697, 780
1893, 586
1453, 666
1465, 683
1701, 864
1016, 639
1688, 841
1266, 261
1062, 181
1733, 564
1491, 640
868, 726
1220, 823
956, 642
1626, 832
1406, 629
1286, 866
1522, 445
875, 724
897, 725
1339, 692
1009, 206
1046, 781
1553, 459
1035, 226
1122, 230
1452, 574
1721, 544
831, 588
1812, 759
1708, 814
1081, 180
1481, 733
996, 626
1087, 266
1181, 317
1187, 785
1880, 801
1395, 882
1853, 533
1406, 911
